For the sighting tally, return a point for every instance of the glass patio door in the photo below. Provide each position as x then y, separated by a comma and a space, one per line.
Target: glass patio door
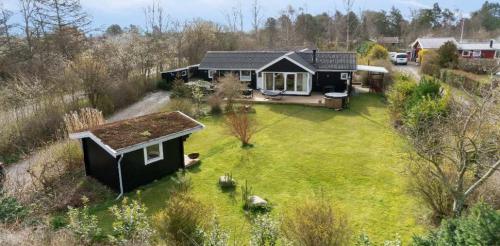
279, 82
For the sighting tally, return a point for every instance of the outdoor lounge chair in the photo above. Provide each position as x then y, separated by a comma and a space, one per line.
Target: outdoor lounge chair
277, 95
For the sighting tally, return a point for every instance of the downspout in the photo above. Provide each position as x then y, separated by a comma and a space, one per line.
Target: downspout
120, 176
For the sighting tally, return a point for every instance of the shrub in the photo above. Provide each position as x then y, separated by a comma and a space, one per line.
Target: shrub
448, 55
429, 62
183, 220
467, 81
181, 104
479, 227
10, 209
180, 90
477, 66
398, 95
241, 126
378, 51
182, 183
131, 224
365, 47
83, 119
57, 222
264, 231
215, 102
364, 240
230, 87
316, 222
83, 225
217, 236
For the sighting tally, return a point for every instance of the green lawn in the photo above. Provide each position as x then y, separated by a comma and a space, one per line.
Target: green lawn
353, 156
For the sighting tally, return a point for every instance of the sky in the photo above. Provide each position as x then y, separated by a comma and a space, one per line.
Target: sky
126, 12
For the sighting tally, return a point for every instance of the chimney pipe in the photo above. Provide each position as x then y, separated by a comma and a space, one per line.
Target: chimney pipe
491, 43
314, 56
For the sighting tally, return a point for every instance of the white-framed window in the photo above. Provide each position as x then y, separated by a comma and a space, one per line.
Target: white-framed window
211, 74
153, 153
183, 73
344, 76
293, 82
245, 75
466, 53
476, 53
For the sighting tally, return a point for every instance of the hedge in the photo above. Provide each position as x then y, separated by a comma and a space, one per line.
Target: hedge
468, 81
478, 66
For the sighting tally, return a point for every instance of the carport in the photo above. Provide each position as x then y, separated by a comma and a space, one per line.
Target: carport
375, 77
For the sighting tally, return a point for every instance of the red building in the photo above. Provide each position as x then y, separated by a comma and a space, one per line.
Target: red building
488, 50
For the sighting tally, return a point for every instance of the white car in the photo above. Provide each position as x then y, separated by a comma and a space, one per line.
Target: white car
399, 58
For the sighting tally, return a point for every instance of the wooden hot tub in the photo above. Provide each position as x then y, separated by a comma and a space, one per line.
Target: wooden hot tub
335, 100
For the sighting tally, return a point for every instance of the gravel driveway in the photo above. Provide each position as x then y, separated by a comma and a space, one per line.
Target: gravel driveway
411, 69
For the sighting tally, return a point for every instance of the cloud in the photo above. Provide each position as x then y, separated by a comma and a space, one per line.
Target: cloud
414, 3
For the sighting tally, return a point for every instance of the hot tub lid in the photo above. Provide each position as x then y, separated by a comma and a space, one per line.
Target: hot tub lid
336, 94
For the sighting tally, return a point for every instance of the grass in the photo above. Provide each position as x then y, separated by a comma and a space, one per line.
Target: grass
353, 156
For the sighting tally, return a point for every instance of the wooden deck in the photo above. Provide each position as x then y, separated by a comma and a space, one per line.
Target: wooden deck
316, 99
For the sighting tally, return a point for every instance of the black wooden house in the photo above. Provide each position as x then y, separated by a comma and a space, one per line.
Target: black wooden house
291, 72
126, 154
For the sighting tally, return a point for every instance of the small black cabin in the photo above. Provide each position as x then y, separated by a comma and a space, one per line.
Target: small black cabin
126, 154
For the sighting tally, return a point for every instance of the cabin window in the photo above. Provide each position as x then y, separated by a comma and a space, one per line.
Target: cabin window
184, 73
476, 53
466, 53
259, 75
245, 75
153, 153
211, 74
344, 76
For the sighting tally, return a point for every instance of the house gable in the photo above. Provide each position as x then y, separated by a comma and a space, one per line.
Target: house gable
284, 65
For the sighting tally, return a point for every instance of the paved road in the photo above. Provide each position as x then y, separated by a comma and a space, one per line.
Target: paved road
411, 69
153, 102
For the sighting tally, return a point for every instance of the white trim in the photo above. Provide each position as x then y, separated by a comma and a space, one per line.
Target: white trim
246, 78
120, 176
285, 56
344, 76
475, 53
211, 76
88, 134
466, 53
159, 158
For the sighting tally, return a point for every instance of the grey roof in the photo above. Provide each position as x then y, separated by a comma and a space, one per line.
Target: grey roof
255, 60
434, 43
332, 60
479, 46
239, 59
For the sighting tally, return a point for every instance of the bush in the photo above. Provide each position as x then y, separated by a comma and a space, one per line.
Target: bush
181, 104
241, 126
183, 220
398, 95
477, 66
217, 236
131, 224
425, 103
215, 102
182, 183
180, 90
467, 81
265, 231
230, 87
480, 227
429, 63
316, 222
378, 51
448, 55
365, 47
10, 209
57, 222
83, 225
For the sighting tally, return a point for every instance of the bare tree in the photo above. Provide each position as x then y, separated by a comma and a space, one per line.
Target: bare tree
28, 11
348, 6
241, 126
256, 17
462, 148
